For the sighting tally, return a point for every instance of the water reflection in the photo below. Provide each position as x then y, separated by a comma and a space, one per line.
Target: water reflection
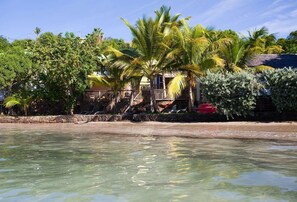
83, 167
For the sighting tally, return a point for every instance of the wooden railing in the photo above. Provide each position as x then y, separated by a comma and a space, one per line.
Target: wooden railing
161, 94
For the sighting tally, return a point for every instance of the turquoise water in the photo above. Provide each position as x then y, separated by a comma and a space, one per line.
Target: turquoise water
45, 166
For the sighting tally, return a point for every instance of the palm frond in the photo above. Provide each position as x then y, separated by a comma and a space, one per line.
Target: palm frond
115, 51
99, 81
176, 86
11, 102
212, 62
262, 68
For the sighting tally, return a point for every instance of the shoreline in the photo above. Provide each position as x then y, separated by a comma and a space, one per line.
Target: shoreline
224, 130
143, 117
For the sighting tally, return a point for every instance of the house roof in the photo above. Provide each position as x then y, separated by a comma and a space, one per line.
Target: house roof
274, 60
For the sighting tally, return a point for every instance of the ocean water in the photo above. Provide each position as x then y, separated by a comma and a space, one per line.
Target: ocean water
47, 166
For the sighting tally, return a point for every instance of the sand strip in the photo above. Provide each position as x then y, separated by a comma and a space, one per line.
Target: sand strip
238, 130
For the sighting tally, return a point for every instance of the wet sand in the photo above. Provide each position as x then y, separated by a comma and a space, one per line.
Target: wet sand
230, 130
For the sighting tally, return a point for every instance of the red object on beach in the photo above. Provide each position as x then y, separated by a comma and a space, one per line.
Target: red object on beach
206, 108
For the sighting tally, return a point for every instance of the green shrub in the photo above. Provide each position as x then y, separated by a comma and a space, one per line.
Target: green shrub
282, 84
232, 93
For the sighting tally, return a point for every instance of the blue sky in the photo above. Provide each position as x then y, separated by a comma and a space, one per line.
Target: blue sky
18, 18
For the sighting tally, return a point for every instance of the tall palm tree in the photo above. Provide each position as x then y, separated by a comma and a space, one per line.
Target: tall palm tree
196, 54
152, 40
37, 31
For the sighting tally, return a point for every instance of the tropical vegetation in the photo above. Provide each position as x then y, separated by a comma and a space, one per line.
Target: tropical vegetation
282, 86
49, 74
232, 93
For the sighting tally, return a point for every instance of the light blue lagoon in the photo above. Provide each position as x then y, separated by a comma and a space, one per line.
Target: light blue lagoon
46, 166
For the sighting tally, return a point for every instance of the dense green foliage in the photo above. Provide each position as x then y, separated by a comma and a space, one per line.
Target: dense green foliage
235, 93
232, 93
63, 62
15, 65
290, 43
282, 85
53, 69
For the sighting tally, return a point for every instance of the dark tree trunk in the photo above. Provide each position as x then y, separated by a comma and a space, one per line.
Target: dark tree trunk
131, 98
191, 99
111, 104
153, 102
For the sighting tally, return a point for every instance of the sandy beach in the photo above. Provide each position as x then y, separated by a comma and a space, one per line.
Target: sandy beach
232, 130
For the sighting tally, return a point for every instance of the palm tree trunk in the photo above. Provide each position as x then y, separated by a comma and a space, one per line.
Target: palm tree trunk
111, 104
153, 102
118, 99
191, 99
131, 98
164, 86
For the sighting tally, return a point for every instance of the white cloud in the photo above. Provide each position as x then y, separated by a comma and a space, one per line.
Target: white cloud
275, 10
281, 25
142, 7
280, 17
220, 9
275, 2
293, 13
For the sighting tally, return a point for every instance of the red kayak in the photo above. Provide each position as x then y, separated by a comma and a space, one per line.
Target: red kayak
207, 108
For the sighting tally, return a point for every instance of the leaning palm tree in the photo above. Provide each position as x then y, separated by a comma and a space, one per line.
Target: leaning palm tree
114, 77
196, 54
153, 41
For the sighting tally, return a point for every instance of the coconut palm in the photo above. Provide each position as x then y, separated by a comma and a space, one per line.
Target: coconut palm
153, 41
235, 55
260, 42
37, 31
196, 54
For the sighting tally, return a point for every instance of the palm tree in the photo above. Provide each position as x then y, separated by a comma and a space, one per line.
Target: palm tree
37, 31
24, 103
113, 76
196, 54
235, 55
260, 41
96, 36
152, 40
